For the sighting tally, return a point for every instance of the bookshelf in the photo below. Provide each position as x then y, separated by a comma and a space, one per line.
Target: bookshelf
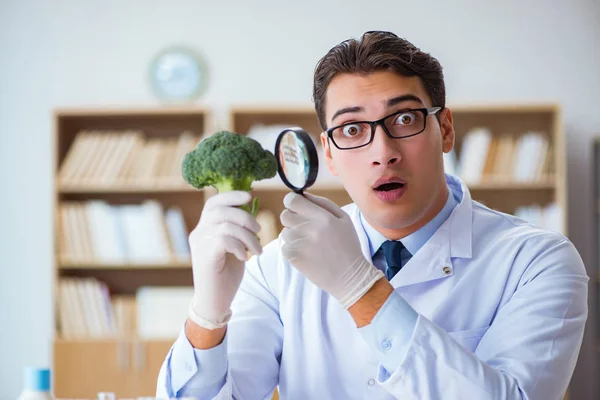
126, 169
143, 170
506, 190
524, 158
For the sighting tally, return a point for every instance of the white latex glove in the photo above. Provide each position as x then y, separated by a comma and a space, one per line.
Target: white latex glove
321, 242
219, 246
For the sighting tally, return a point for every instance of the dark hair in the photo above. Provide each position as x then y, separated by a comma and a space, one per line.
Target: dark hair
376, 51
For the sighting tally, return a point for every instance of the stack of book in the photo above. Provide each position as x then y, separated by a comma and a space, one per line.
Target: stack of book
97, 232
485, 157
85, 310
125, 158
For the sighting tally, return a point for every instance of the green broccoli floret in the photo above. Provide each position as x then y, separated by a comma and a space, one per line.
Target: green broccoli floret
229, 161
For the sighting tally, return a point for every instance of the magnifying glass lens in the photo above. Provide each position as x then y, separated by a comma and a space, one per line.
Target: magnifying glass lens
297, 158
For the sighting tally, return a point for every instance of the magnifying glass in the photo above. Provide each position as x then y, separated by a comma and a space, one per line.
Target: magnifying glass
297, 159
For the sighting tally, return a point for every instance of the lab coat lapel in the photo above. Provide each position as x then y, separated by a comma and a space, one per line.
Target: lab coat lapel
452, 240
434, 260
362, 236
431, 262
427, 264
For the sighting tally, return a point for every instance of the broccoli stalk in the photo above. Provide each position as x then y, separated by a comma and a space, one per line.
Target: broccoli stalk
238, 184
229, 161
233, 184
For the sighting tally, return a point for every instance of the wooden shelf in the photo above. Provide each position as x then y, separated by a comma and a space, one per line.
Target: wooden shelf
111, 340
491, 108
129, 112
274, 109
148, 190
242, 118
128, 267
124, 188
83, 365
549, 184
278, 185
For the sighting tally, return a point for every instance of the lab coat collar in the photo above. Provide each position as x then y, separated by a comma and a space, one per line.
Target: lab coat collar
460, 223
434, 260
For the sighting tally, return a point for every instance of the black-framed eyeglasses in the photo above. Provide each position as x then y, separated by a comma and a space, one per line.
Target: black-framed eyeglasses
399, 125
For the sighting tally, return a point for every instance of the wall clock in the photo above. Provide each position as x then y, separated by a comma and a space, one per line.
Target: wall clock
178, 74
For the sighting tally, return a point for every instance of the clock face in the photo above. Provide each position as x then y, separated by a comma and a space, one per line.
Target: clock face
177, 74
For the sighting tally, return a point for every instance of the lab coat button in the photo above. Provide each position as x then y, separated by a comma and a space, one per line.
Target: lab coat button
371, 382
386, 345
447, 270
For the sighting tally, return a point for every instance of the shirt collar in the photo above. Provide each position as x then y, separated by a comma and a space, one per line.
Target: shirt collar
417, 239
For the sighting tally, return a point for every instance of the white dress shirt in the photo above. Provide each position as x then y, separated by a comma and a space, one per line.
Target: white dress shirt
489, 307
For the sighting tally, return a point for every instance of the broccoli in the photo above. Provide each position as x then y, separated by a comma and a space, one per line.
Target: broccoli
229, 161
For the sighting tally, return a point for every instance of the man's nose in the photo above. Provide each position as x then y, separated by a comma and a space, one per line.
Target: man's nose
384, 148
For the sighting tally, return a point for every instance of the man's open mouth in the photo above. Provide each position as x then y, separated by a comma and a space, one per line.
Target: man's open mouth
386, 187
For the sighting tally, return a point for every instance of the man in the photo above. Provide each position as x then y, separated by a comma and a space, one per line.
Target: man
414, 291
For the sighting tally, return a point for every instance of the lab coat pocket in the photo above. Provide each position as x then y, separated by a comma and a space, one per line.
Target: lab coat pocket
469, 338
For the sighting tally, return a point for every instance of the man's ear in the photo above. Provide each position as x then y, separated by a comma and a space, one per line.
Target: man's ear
447, 130
327, 153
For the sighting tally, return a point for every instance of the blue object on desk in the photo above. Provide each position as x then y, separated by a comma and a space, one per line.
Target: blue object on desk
37, 379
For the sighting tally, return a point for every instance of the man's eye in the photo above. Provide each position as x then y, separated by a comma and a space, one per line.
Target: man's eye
406, 118
351, 130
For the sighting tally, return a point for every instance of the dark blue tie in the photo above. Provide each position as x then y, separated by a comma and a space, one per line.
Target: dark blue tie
395, 253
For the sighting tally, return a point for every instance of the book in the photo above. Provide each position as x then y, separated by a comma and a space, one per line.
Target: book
487, 157
473, 154
97, 158
100, 233
84, 309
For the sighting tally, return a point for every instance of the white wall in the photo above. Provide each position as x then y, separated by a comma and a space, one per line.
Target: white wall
76, 53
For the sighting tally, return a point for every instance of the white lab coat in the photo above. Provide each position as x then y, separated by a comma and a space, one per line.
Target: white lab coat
502, 307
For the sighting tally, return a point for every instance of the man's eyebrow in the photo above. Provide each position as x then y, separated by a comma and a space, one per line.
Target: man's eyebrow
400, 99
346, 111
389, 103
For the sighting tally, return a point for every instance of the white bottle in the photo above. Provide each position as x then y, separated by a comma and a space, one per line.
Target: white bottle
37, 384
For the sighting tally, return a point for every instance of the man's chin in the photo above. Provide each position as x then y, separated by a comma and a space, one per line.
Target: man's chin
391, 220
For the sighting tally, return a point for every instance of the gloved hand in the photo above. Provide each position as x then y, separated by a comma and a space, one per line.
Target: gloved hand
321, 242
219, 246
